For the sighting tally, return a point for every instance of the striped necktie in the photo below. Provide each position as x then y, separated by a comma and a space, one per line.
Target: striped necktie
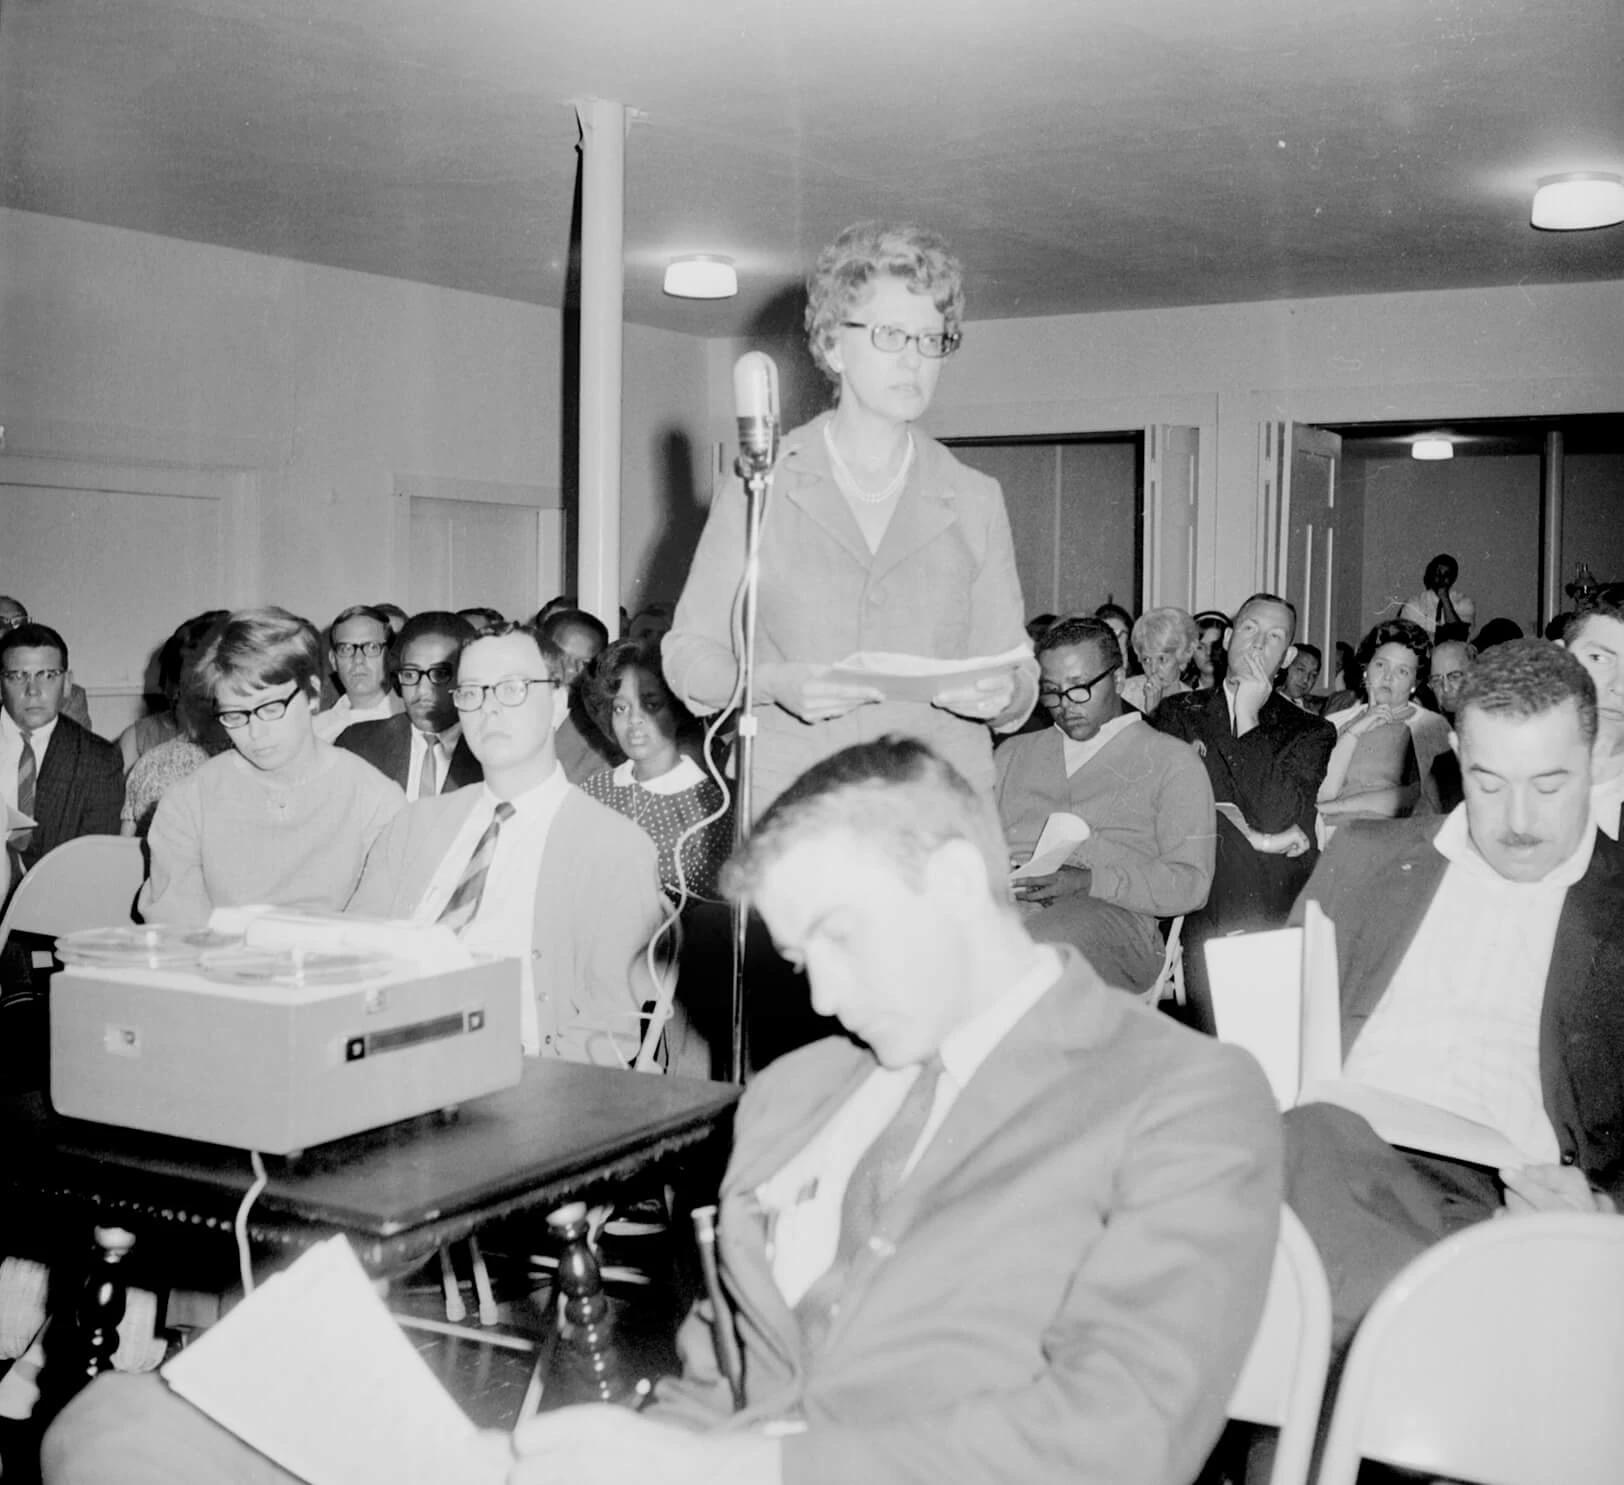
27, 774
459, 912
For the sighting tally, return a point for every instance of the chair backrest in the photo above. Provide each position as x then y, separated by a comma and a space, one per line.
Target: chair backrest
1170, 978
1283, 1380
1495, 1357
89, 882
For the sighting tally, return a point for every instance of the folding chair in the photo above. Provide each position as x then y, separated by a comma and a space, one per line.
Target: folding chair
1283, 1381
1494, 1357
89, 882
1171, 974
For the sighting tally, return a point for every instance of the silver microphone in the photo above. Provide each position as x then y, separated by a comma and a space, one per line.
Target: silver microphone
755, 401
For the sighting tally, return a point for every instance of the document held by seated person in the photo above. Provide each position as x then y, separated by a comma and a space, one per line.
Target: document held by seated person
312, 1371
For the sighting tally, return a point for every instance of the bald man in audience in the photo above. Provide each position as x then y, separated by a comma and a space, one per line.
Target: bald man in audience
1596, 638
1013, 1228
1481, 965
1143, 795
422, 748
583, 750
524, 865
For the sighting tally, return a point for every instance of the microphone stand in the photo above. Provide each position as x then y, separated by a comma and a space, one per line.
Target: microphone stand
757, 477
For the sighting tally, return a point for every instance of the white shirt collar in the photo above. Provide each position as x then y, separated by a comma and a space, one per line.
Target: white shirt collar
1455, 845
543, 796
40, 737
1078, 753
685, 775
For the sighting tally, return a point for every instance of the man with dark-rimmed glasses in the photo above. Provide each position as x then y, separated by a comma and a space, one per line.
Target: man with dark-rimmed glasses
526, 866
422, 749
1145, 799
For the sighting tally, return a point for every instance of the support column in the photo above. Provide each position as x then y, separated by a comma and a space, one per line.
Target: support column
1550, 528
603, 282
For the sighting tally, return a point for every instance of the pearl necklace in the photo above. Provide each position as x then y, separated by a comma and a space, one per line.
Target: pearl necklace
848, 482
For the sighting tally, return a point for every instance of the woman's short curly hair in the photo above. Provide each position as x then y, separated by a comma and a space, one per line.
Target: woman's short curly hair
864, 252
1391, 632
601, 684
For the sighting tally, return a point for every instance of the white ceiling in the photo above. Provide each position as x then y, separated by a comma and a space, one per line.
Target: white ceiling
1082, 154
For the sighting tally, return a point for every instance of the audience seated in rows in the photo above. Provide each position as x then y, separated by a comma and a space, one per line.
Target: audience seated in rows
357, 646
1164, 641
661, 786
1386, 742
1481, 963
523, 865
1023, 1231
1266, 761
75, 704
283, 818
421, 748
1144, 796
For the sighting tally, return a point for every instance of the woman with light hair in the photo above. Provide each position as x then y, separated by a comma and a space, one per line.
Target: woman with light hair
875, 538
1164, 639
282, 818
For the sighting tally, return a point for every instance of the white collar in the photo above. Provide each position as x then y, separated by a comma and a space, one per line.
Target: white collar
542, 796
1455, 845
684, 776
40, 737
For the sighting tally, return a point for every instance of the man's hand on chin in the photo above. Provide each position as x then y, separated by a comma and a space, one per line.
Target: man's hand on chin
1551, 1188
600, 1445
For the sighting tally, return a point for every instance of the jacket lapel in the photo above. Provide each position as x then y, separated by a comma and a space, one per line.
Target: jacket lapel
922, 514
809, 485
53, 785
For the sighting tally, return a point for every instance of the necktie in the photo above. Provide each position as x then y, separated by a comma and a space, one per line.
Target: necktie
428, 778
27, 773
459, 912
874, 1180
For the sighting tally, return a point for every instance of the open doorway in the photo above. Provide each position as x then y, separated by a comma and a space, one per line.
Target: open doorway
1075, 512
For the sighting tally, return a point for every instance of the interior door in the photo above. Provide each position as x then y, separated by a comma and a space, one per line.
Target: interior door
1170, 500
467, 553
1298, 468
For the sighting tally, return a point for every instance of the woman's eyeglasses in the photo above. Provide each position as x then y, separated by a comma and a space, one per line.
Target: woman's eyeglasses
266, 711
933, 344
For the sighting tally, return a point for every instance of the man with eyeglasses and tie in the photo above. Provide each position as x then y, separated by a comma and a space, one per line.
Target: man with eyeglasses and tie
52, 770
422, 748
525, 865
357, 653
1143, 796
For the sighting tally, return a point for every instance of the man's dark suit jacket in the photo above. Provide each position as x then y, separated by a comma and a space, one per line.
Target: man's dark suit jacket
386, 743
79, 791
1377, 880
1273, 776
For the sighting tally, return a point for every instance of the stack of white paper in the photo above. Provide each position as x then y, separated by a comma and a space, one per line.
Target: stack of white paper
1062, 833
313, 1372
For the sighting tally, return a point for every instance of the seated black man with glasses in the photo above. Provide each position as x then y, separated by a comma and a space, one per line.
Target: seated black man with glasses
422, 749
524, 865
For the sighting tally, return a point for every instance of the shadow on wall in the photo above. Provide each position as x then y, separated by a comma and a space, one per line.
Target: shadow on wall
779, 329
682, 516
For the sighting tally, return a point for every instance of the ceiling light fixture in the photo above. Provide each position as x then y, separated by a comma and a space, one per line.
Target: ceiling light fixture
1578, 201
701, 276
1432, 448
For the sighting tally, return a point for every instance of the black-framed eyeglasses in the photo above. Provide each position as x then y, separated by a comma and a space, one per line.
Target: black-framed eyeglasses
934, 345
25, 678
437, 675
13, 621
267, 711
1078, 693
510, 691
371, 648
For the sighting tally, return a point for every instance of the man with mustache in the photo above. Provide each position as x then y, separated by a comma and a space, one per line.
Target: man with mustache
1481, 968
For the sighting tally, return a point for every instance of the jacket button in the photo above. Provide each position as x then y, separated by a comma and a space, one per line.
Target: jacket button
1569, 1158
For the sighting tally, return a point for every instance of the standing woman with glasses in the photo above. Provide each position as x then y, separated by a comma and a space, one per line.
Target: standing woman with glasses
875, 537
283, 818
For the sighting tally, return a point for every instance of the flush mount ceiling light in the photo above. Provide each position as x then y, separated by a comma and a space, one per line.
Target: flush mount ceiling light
701, 276
1578, 201
1432, 448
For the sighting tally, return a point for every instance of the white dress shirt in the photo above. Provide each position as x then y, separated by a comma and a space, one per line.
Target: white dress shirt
505, 923
803, 1200
421, 742
11, 753
343, 713
1459, 1026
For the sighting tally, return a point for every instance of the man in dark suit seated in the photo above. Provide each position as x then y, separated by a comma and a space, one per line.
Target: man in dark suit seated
1266, 759
422, 749
1481, 967
51, 769
1022, 1231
